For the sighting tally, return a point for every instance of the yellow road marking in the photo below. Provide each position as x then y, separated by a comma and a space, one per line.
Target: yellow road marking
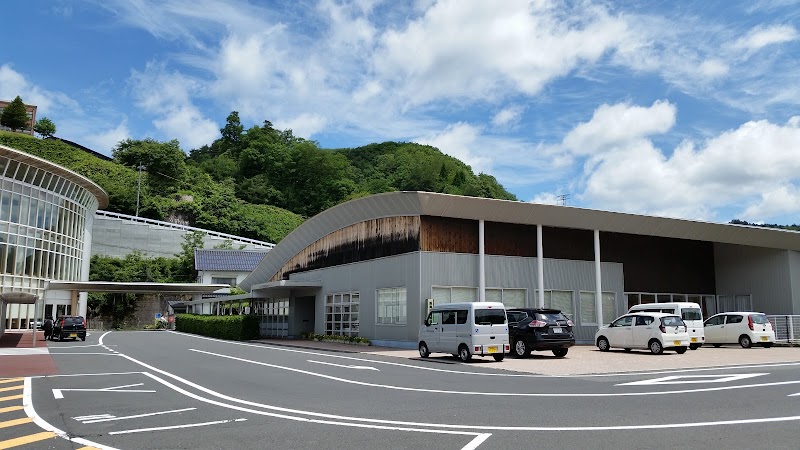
10, 380
26, 439
11, 423
11, 408
12, 388
10, 397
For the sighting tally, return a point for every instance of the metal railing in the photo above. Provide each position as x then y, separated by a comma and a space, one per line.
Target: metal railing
786, 327
184, 228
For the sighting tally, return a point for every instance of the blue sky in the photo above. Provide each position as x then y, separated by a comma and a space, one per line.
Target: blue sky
672, 108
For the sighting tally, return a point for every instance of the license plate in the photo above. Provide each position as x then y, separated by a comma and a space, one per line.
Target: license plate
491, 349
694, 339
557, 330
764, 338
73, 335
677, 343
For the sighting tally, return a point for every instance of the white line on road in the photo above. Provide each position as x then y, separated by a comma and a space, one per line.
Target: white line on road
345, 366
58, 393
476, 442
110, 417
692, 379
175, 427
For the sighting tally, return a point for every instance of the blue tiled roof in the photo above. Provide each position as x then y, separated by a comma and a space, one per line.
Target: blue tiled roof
229, 260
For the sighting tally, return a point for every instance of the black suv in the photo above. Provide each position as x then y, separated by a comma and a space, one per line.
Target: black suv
69, 327
539, 329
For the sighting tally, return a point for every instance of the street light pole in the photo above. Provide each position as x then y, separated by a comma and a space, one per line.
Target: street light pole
139, 188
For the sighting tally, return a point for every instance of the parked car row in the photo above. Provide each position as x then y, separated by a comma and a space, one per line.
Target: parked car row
488, 329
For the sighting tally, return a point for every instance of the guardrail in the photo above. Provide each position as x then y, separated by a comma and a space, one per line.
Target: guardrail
786, 327
184, 228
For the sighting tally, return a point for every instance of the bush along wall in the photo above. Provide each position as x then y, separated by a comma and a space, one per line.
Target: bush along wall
235, 328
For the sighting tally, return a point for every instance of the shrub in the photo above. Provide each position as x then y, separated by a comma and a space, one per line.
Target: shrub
235, 328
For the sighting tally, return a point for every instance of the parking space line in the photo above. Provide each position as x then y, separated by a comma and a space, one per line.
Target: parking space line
175, 427
137, 416
10, 408
15, 422
10, 397
26, 439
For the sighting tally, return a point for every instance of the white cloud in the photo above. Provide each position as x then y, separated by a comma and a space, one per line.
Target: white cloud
713, 68
475, 49
168, 97
104, 141
304, 125
507, 117
754, 165
13, 83
546, 198
460, 141
761, 37
614, 125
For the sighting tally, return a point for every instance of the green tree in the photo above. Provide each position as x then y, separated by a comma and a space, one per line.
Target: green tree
14, 116
185, 272
232, 133
165, 162
45, 127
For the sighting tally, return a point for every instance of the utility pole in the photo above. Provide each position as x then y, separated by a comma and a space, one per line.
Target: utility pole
139, 188
562, 199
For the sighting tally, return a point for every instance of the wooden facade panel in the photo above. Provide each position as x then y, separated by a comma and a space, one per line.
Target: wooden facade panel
359, 242
448, 235
509, 239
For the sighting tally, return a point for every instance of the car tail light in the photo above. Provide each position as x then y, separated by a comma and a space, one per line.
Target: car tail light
662, 328
750, 322
569, 322
84, 322
507, 348
477, 349
62, 323
537, 324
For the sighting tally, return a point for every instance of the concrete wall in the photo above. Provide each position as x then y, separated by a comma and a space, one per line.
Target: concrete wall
763, 273
117, 237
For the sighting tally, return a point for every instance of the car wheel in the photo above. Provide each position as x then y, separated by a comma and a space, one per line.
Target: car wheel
745, 342
655, 347
602, 344
680, 350
423, 350
694, 346
463, 354
716, 345
767, 344
499, 356
560, 352
521, 349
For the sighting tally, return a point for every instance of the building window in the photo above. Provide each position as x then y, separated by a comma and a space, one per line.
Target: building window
588, 311
391, 306
341, 314
561, 300
511, 298
224, 280
274, 317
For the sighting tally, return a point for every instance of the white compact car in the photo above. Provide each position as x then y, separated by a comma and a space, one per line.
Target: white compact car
746, 328
651, 330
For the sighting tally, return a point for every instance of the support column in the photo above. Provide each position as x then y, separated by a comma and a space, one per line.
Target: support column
481, 263
598, 296
539, 266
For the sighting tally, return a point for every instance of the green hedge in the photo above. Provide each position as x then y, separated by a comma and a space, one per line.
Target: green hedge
235, 328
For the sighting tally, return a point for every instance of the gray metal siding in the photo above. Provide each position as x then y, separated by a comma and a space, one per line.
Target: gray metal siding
761, 272
794, 270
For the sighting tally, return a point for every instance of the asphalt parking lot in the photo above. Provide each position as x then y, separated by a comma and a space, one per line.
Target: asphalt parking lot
586, 359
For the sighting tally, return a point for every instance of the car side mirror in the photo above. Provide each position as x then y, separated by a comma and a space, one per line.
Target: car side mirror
427, 323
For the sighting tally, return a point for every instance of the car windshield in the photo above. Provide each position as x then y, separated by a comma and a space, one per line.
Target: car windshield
692, 314
490, 316
760, 319
672, 321
73, 321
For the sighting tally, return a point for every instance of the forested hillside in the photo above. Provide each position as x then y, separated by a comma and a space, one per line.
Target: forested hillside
259, 183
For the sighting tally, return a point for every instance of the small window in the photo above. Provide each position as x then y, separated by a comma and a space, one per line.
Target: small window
643, 320
490, 316
461, 316
448, 317
672, 321
734, 319
716, 320
623, 321
435, 318
691, 314
760, 319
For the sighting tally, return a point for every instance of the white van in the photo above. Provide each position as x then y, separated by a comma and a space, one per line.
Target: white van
691, 314
465, 329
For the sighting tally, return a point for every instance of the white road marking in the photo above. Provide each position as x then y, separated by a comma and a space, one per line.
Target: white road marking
83, 353
345, 366
485, 374
58, 393
43, 424
94, 416
479, 439
692, 379
494, 394
110, 417
175, 427
794, 395
437, 428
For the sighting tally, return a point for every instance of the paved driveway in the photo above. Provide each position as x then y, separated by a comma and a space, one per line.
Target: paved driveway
586, 359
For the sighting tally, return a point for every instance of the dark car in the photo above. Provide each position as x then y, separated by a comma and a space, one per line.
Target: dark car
69, 327
539, 329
